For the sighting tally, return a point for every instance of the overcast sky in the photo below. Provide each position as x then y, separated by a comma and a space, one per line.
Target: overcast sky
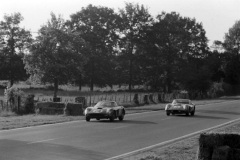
217, 16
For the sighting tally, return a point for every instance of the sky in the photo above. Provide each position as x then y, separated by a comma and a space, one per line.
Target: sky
216, 16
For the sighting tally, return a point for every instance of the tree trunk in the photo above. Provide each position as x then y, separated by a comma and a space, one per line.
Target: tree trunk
11, 58
92, 75
55, 88
130, 75
80, 83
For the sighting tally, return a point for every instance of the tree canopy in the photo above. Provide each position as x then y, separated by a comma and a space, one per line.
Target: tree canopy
53, 57
102, 47
98, 26
14, 42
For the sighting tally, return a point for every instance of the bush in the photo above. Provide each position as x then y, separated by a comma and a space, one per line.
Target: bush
20, 102
29, 104
12, 94
208, 142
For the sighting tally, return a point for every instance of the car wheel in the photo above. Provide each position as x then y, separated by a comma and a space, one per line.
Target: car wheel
121, 118
88, 119
168, 113
193, 112
111, 118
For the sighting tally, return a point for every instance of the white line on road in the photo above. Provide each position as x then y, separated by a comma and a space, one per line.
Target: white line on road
169, 141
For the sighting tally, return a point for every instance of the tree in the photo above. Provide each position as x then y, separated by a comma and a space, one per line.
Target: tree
174, 44
14, 42
232, 39
135, 19
231, 64
53, 56
98, 26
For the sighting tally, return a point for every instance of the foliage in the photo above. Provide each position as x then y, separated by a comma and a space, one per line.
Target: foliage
98, 26
29, 106
53, 58
174, 49
13, 92
24, 101
100, 47
14, 42
232, 39
135, 19
231, 63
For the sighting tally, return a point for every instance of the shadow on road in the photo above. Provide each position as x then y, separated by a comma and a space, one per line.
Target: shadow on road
201, 116
124, 121
218, 112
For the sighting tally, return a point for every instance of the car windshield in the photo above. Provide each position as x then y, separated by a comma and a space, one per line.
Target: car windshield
181, 101
103, 104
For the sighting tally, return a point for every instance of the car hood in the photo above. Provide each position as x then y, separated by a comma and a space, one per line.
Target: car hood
98, 110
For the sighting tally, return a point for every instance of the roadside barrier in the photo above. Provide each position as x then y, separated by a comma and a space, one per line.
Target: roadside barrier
51, 108
74, 109
57, 108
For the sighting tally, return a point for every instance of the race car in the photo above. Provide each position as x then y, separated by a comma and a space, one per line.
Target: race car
105, 110
180, 106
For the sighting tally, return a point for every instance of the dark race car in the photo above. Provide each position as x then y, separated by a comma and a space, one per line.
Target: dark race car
105, 110
180, 106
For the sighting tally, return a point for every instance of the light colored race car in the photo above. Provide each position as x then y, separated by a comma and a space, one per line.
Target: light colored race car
105, 110
180, 106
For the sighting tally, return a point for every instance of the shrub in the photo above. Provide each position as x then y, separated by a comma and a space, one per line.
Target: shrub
29, 104
11, 94
210, 141
20, 102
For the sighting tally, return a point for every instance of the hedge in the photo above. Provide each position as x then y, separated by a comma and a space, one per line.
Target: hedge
219, 146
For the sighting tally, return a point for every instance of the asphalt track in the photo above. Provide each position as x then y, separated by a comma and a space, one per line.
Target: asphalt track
97, 140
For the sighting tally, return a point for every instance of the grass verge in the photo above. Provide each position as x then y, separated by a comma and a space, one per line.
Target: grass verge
182, 150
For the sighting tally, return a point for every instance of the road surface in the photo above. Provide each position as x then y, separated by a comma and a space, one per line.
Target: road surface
97, 140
